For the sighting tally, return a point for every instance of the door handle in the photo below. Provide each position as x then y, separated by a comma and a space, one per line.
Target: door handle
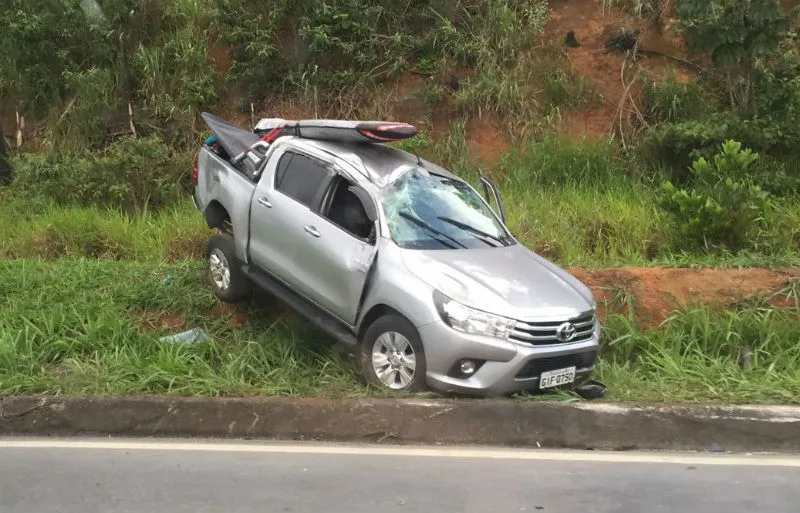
311, 230
264, 201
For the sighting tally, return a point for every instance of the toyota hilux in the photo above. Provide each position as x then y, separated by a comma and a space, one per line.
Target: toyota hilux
392, 255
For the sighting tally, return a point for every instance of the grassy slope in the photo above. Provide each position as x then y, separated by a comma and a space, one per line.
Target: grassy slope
79, 326
574, 203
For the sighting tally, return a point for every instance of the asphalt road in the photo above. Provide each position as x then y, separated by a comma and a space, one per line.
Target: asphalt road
100, 475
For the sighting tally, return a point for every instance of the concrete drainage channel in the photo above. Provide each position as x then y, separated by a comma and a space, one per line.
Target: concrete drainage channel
450, 422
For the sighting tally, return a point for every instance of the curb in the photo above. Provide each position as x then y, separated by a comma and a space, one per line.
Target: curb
453, 422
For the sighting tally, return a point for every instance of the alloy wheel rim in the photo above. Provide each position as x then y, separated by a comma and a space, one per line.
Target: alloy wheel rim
393, 360
220, 270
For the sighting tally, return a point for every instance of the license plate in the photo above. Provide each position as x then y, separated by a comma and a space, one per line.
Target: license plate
556, 378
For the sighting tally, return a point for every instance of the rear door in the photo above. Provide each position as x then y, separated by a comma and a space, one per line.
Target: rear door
336, 254
291, 183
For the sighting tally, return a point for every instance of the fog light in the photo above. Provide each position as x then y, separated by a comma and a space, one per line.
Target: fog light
467, 367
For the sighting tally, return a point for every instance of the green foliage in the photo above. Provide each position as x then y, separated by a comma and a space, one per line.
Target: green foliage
735, 33
722, 208
741, 355
251, 33
93, 327
78, 326
558, 162
37, 45
86, 119
134, 174
566, 88
732, 31
492, 38
672, 101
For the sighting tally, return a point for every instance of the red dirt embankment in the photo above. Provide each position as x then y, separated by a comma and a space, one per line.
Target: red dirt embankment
657, 292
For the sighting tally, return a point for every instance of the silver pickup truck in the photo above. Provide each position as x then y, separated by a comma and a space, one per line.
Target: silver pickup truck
391, 255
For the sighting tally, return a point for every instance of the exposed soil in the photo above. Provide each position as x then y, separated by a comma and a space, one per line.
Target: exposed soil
593, 25
486, 143
152, 320
657, 292
219, 55
237, 317
591, 61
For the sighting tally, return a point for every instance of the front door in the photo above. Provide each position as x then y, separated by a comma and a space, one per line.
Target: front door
337, 252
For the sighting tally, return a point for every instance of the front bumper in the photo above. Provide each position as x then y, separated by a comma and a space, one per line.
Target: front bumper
508, 367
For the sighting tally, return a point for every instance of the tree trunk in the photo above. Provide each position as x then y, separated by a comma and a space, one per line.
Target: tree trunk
5, 164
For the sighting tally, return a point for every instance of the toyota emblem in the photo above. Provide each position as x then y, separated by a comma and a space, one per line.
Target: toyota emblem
565, 332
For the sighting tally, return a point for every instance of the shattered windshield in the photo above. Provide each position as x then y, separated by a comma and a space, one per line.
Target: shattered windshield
428, 211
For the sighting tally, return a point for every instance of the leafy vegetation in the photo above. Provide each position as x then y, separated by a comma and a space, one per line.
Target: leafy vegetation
114, 88
93, 327
134, 174
723, 208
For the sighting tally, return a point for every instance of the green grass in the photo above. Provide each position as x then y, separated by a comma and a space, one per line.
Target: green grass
575, 203
80, 327
29, 229
750, 355
77, 326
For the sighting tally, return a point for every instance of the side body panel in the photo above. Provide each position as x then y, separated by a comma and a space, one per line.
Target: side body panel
218, 181
392, 285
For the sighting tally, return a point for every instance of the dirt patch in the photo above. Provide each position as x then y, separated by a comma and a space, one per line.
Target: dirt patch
590, 23
594, 24
236, 317
154, 320
485, 142
655, 293
219, 55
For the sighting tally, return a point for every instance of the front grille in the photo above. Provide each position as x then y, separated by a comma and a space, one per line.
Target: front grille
544, 333
534, 368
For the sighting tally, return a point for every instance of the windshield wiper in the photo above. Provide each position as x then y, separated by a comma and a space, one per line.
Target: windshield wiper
425, 226
478, 234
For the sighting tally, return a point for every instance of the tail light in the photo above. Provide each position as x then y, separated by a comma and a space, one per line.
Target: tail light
195, 172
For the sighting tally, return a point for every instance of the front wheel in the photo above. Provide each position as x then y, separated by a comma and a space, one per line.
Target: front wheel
392, 356
227, 279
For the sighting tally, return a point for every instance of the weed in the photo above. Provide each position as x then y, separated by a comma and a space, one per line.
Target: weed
134, 175
92, 327
670, 100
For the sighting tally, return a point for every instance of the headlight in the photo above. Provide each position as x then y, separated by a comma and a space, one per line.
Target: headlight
469, 320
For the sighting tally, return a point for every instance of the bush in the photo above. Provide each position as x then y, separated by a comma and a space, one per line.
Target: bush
677, 145
560, 162
723, 208
134, 174
672, 101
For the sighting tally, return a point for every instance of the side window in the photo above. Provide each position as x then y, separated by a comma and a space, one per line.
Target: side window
300, 177
346, 210
283, 163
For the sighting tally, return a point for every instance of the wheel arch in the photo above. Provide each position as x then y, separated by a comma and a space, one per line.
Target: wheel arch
375, 313
217, 215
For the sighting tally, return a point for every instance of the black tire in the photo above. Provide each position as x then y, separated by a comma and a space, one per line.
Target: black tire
221, 254
393, 323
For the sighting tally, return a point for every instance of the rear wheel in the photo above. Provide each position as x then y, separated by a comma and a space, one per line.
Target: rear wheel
228, 281
392, 356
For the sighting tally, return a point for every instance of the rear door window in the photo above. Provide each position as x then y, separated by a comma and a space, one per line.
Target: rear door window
300, 177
